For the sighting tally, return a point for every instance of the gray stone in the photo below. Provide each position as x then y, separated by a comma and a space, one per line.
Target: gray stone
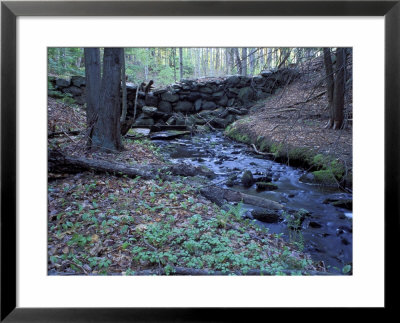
232, 80
61, 83
265, 215
75, 91
246, 95
234, 90
208, 105
184, 106
247, 178
151, 100
165, 106
223, 101
218, 95
78, 81
206, 90
231, 102
197, 105
168, 96
149, 111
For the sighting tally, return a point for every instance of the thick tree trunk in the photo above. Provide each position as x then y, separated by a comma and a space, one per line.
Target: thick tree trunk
106, 131
93, 83
124, 93
329, 84
338, 91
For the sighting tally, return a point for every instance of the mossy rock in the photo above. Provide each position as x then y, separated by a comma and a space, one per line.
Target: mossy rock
266, 186
247, 179
324, 177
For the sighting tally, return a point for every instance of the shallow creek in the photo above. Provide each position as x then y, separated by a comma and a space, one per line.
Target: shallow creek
327, 231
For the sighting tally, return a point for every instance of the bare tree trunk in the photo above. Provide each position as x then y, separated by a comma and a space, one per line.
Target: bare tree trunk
227, 61
93, 83
329, 84
244, 61
174, 61
217, 61
338, 91
283, 60
124, 93
261, 58
269, 57
238, 61
180, 63
106, 131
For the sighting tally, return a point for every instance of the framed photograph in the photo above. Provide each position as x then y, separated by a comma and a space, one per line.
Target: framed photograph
236, 207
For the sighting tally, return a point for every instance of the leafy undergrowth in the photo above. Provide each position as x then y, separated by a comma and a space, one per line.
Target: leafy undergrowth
104, 225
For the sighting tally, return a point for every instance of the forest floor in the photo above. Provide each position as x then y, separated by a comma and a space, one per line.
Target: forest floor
295, 117
99, 224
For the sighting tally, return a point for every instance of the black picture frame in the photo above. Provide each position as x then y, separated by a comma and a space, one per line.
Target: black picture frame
10, 10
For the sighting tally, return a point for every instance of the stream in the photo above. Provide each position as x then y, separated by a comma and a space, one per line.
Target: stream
327, 230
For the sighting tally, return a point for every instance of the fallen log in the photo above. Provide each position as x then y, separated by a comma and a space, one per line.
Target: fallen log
64, 133
60, 163
219, 195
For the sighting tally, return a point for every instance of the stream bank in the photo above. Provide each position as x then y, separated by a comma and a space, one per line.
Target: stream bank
326, 227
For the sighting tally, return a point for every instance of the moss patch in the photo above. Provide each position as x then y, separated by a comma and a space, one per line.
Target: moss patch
326, 169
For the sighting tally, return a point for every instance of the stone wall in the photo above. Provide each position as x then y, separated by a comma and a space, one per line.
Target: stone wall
212, 101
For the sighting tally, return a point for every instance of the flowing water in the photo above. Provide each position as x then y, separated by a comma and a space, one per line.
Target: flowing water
327, 231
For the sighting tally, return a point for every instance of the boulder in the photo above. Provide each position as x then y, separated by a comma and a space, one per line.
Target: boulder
218, 95
231, 102
151, 100
266, 215
170, 97
206, 90
165, 106
247, 178
184, 106
223, 101
61, 83
208, 105
197, 105
232, 80
78, 81
73, 90
246, 95
219, 123
149, 111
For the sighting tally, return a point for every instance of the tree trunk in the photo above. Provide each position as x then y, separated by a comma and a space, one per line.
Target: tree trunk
269, 57
285, 58
174, 62
180, 63
238, 61
244, 61
124, 93
329, 84
338, 91
106, 131
93, 83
